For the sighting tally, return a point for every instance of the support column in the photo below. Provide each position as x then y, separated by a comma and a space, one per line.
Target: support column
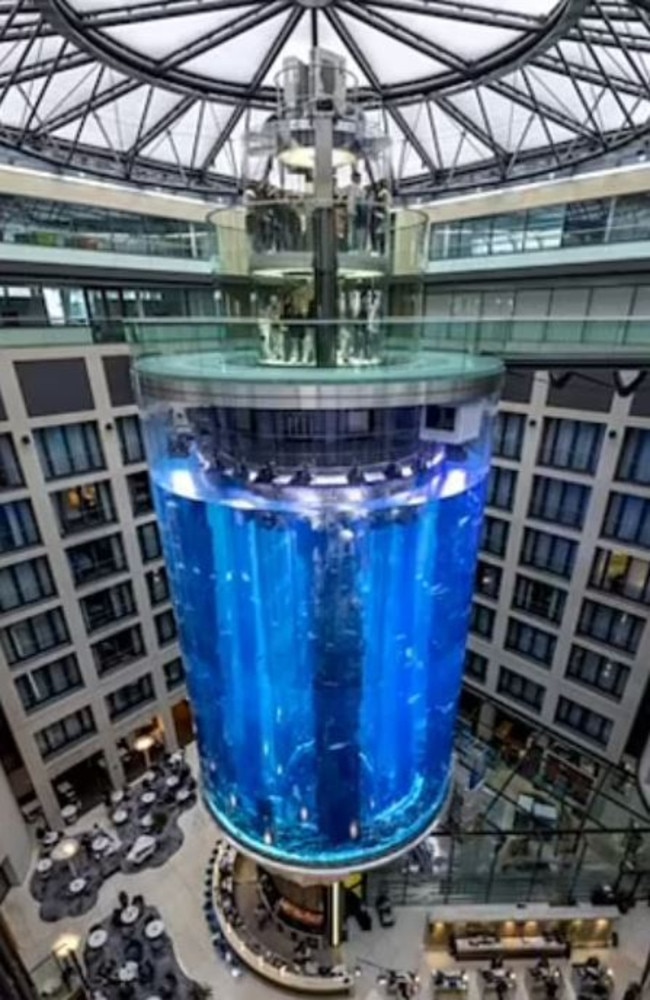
334, 902
486, 719
324, 245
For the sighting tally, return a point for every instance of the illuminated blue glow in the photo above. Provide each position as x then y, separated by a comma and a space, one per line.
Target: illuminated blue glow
324, 642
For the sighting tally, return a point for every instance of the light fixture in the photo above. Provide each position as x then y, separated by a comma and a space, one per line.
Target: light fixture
143, 744
304, 157
301, 478
67, 943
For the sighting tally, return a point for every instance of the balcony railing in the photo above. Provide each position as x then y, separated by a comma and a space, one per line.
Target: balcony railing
532, 340
194, 243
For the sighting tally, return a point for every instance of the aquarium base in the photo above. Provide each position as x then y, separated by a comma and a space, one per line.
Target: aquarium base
261, 923
326, 874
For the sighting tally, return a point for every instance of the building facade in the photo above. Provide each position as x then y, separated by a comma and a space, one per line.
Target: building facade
88, 644
559, 620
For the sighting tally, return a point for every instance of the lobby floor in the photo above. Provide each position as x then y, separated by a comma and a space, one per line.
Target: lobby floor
176, 890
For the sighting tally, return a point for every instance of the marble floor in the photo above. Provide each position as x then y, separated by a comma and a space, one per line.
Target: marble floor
177, 891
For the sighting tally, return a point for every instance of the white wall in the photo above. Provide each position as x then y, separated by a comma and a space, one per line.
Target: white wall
15, 842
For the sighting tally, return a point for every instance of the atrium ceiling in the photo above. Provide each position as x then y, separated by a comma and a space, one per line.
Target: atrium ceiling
473, 94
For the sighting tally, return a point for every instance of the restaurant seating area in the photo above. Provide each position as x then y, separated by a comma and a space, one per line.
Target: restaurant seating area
130, 956
250, 926
592, 980
544, 980
140, 830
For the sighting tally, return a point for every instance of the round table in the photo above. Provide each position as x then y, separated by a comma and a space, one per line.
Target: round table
44, 866
154, 929
149, 776
117, 796
100, 843
77, 886
129, 915
183, 794
51, 838
97, 938
172, 781
120, 816
69, 813
128, 972
148, 798
146, 821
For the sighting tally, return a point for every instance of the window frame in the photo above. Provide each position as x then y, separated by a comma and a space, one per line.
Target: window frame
89, 440
509, 678
512, 644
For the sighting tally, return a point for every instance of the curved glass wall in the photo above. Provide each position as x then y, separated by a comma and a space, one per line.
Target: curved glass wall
322, 565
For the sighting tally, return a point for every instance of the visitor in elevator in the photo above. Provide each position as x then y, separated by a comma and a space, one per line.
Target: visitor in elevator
354, 211
380, 206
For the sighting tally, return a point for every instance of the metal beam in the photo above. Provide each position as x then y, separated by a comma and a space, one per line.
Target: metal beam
271, 55
37, 70
233, 29
72, 113
115, 17
160, 126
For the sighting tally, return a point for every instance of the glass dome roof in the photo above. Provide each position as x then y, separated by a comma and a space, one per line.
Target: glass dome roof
472, 92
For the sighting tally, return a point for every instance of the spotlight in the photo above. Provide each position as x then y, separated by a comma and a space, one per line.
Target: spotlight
301, 478
393, 471
266, 475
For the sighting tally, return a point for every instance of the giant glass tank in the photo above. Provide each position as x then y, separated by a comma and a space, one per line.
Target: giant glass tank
321, 528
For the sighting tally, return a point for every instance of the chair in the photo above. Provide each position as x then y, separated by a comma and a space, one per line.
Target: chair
123, 899
146, 972
133, 951
139, 901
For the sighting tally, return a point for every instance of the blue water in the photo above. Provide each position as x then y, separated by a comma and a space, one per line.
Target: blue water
324, 648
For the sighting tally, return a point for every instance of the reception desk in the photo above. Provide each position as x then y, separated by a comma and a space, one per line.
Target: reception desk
533, 931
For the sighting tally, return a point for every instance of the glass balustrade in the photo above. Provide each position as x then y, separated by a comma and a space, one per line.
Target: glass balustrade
555, 227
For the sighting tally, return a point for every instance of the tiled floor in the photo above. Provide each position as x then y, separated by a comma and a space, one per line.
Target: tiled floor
177, 891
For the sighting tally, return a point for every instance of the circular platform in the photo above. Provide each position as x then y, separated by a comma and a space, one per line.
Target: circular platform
236, 378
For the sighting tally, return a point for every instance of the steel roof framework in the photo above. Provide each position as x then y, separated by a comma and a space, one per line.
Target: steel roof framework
476, 93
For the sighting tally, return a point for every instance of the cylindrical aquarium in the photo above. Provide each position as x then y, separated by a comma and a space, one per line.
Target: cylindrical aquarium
321, 529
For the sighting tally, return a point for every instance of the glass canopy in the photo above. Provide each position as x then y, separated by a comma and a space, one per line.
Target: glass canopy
472, 93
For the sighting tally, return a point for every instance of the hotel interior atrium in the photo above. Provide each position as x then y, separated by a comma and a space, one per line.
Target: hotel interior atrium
324, 499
